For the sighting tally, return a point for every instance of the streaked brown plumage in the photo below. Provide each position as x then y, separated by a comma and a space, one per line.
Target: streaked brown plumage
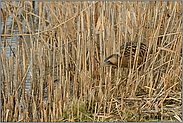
125, 58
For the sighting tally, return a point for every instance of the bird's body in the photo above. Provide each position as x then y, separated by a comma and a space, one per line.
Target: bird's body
127, 54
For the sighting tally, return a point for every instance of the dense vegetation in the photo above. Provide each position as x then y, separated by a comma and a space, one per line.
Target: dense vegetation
50, 52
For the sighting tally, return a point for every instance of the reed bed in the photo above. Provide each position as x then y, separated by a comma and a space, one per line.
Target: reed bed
49, 73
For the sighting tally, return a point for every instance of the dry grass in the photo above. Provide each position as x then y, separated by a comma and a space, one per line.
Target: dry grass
50, 74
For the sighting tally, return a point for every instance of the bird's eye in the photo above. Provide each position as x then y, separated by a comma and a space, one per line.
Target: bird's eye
108, 61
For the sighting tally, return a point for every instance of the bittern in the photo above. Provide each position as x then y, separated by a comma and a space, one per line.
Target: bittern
124, 56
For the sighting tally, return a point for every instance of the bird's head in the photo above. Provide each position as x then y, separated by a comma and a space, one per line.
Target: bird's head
112, 60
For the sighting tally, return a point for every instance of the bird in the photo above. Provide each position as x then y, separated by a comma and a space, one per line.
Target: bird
124, 55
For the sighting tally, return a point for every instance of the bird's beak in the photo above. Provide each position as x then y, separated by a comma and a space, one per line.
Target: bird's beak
103, 64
